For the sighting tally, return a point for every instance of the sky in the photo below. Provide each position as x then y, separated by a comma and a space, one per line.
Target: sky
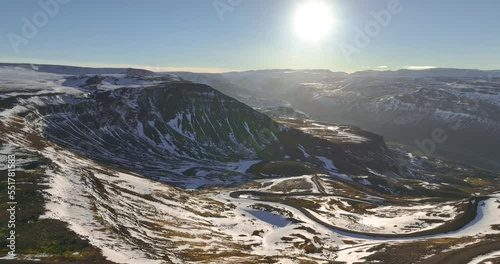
228, 35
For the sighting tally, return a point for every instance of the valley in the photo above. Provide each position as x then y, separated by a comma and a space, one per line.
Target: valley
133, 166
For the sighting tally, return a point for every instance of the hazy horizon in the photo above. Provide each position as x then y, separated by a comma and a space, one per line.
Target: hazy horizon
212, 70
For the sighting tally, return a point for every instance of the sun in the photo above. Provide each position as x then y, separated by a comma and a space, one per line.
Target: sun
313, 20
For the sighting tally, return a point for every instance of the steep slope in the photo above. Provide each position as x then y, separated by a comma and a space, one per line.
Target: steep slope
183, 129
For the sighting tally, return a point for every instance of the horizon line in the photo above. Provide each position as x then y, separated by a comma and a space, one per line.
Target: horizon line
195, 69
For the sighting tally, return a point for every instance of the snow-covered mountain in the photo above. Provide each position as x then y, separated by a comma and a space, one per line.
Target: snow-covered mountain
132, 166
405, 106
152, 123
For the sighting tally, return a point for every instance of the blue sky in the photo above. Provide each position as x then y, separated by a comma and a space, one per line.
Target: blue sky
252, 34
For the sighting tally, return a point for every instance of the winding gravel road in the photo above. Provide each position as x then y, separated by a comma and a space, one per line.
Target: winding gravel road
453, 225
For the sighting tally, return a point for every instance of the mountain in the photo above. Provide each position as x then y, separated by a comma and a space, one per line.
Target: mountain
129, 166
184, 128
406, 106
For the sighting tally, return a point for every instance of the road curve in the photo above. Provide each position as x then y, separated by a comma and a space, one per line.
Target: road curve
453, 225
321, 188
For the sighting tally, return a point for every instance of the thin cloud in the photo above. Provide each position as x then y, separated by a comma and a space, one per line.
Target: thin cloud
183, 69
420, 67
382, 67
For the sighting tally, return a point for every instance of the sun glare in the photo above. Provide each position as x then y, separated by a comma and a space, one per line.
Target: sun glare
313, 20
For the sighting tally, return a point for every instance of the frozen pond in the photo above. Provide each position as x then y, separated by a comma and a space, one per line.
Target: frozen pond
268, 217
